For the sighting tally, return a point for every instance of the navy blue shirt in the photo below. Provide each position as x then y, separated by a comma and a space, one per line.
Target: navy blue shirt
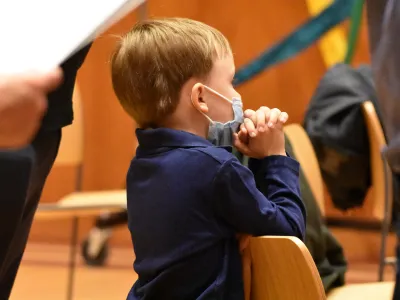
187, 200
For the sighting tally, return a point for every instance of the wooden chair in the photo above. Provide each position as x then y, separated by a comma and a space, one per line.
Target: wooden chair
305, 154
78, 204
283, 269
381, 179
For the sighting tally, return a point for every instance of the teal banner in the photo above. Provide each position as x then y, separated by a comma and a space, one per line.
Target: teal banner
297, 41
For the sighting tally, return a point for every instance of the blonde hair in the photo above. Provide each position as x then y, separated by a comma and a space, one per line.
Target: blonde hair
156, 58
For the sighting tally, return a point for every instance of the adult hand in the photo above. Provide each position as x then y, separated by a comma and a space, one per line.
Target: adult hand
23, 102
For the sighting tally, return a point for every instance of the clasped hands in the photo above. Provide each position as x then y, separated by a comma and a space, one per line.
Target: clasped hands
260, 135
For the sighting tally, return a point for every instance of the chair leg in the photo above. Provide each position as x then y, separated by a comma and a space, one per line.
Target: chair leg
72, 258
386, 221
382, 255
391, 261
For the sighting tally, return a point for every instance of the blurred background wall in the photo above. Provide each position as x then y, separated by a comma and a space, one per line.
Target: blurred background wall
251, 27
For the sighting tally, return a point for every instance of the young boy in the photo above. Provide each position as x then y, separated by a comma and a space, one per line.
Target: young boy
188, 199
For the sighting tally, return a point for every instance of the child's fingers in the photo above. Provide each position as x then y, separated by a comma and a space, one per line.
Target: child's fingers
267, 112
243, 129
274, 115
240, 146
243, 136
282, 120
252, 115
260, 120
283, 117
249, 113
250, 128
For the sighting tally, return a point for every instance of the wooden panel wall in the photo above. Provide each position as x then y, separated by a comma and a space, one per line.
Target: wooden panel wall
249, 26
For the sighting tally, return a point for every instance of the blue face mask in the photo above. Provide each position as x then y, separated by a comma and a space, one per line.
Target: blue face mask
221, 134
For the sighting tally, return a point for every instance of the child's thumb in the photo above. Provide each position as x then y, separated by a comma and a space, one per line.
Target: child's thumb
240, 146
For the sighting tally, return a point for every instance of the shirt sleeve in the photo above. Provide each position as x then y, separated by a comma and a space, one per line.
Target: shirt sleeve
277, 211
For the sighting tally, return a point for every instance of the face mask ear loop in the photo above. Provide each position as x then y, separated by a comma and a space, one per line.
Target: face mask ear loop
217, 94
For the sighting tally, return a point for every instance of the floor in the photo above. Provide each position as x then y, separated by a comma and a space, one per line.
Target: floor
43, 275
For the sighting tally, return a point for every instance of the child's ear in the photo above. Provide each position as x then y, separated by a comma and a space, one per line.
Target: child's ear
197, 97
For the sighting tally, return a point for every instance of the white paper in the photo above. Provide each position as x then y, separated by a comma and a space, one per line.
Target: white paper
40, 34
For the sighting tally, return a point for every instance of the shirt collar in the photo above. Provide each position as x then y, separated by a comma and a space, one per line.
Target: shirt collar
151, 140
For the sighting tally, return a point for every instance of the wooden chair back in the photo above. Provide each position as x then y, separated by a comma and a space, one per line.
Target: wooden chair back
307, 158
381, 177
281, 268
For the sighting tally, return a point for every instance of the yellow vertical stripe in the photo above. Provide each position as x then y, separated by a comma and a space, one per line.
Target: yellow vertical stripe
333, 44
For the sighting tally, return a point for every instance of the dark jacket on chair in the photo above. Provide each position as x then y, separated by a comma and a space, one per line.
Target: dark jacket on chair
335, 124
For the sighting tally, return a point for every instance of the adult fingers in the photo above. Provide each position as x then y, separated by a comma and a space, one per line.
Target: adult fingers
45, 82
